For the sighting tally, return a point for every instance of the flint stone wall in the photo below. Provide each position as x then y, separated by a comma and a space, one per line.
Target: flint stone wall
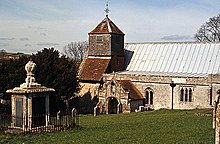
203, 89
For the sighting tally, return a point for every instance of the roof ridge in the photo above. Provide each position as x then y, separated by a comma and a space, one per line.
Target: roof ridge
109, 27
189, 42
106, 26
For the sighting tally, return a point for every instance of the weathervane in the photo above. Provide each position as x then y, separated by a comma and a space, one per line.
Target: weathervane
107, 9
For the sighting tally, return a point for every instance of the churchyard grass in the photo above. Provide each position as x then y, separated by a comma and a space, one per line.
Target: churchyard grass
161, 126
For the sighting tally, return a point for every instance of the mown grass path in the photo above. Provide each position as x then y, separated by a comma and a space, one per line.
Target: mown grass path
162, 126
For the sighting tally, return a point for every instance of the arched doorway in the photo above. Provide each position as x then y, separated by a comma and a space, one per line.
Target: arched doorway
112, 105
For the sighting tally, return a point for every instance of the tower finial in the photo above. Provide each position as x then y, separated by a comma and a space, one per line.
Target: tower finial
107, 10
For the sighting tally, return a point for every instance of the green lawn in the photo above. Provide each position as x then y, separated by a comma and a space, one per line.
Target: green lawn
162, 126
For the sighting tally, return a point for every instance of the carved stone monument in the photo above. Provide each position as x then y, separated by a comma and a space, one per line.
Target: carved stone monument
30, 102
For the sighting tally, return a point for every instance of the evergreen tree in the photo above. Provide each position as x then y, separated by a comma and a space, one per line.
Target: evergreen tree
58, 72
53, 70
12, 73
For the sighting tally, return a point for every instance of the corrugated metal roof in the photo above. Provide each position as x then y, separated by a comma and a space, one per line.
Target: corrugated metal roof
173, 59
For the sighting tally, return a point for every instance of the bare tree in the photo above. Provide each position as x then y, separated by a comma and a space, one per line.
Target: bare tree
76, 50
210, 31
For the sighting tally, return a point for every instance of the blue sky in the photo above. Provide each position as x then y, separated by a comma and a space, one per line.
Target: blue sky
30, 25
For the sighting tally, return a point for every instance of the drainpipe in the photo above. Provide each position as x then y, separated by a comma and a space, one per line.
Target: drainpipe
172, 86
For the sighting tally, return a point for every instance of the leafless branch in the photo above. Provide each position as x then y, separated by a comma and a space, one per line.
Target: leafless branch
210, 31
76, 50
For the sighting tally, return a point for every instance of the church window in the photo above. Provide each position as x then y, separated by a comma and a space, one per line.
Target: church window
99, 39
181, 94
113, 89
190, 95
149, 96
186, 94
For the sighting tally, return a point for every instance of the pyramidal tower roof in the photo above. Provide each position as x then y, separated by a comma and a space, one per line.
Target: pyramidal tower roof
106, 26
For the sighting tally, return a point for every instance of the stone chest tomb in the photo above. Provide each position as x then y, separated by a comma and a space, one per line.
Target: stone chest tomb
29, 102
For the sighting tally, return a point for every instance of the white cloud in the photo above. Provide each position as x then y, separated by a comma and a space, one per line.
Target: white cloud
24, 39
27, 45
153, 23
6, 38
210, 3
45, 44
62, 22
177, 37
2, 45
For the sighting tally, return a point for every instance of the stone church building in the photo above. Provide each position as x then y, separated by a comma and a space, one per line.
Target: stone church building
128, 77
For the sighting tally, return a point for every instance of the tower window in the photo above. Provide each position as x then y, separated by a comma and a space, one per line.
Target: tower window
117, 62
99, 39
118, 39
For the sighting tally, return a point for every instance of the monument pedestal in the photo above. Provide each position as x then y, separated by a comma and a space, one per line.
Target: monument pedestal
30, 102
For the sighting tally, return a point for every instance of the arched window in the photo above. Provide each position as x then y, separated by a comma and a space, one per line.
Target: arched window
190, 95
149, 96
186, 94
181, 94
113, 88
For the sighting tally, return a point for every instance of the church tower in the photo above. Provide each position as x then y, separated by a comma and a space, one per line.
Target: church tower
105, 53
107, 40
